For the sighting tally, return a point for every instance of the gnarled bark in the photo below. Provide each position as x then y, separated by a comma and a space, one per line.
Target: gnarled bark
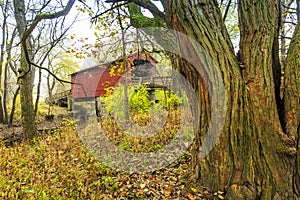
292, 101
253, 156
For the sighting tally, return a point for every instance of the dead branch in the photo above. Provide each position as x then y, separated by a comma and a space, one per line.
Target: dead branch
145, 4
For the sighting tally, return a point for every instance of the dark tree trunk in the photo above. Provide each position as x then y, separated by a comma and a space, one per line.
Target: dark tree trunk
50, 87
253, 157
1, 110
36, 107
9, 66
26, 74
5, 85
6, 77
4, 9
13, 107
257, 156
292, 101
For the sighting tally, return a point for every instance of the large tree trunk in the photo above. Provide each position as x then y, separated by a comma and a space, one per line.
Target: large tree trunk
26, 74
292, 101
253, 157
28, 114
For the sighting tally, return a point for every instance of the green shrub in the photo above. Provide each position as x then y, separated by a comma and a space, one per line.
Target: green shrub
168, 99
139, 100
114, 99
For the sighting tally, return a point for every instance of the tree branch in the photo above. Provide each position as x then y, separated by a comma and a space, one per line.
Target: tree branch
145, 4
151, 7
45, 5
27, 33
137, 19
288, 6
108, 10
292, 23
40, 67
46, 69
40, 17
85, 4
298, 11
227, 10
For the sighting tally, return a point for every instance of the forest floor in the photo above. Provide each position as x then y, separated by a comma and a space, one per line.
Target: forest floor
56, 165
12, 134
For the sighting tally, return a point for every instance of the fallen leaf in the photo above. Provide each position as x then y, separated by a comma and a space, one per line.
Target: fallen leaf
151, 177
190, 196
194, 190
140, 192
123, 194
167, 192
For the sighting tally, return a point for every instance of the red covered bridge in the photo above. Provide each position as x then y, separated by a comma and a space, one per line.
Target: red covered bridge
94, 82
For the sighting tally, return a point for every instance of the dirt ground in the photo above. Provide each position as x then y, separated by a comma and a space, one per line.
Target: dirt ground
12, 134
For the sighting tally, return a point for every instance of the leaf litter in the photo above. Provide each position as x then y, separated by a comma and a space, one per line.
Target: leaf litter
58, 166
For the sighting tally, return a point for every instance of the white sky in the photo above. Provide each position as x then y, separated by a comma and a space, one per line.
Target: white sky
82, 27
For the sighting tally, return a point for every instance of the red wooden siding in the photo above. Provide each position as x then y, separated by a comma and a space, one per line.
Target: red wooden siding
94, 81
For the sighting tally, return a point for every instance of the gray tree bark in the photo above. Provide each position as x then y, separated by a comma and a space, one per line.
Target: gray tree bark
254, 158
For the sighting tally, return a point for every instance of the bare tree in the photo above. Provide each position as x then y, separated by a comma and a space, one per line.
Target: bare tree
4, 11
56, 34
27, 65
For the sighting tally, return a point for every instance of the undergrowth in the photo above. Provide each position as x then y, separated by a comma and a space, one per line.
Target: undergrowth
53, 166
58, 166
